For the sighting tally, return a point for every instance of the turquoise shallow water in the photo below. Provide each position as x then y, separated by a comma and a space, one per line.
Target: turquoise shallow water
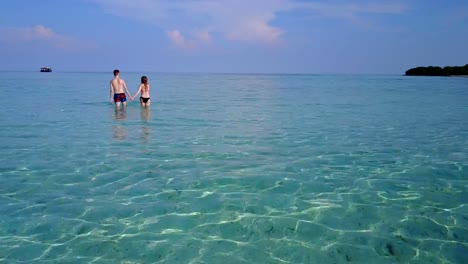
234, 169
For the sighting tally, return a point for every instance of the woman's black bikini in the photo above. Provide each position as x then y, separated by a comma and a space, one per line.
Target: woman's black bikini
144, 99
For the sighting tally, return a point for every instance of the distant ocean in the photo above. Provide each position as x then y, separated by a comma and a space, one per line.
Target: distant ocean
232, 168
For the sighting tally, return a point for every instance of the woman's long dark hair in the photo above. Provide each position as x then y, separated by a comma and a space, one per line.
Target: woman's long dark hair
144, 80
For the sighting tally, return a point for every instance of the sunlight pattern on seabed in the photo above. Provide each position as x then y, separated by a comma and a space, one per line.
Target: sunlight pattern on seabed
234, 169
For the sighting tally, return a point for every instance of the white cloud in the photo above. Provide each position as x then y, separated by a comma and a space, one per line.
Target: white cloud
40, 32
23, 34
236, 20
203, 36
243, 20
179, 40
198, 39
254, 30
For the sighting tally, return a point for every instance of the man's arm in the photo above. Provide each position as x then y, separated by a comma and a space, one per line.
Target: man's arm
111, 92
126, 89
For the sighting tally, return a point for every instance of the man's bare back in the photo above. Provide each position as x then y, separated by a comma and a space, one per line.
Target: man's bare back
117, 85
117, 92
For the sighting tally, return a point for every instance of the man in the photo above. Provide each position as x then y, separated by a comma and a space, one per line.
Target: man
117, 86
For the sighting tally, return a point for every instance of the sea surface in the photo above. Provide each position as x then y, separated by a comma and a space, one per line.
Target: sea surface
226, 168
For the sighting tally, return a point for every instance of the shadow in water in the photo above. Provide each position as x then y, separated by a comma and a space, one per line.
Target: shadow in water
119, 116
145, 115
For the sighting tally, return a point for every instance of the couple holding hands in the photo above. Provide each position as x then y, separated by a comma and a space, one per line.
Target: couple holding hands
117, 94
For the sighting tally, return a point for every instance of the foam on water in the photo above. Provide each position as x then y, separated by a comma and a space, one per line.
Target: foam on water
234, 169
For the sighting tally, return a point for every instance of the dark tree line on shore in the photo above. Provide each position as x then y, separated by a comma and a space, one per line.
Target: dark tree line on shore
438, 71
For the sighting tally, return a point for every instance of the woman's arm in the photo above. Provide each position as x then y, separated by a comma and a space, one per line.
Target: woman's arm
139, 90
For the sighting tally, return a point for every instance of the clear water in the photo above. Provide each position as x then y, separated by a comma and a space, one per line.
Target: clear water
234, 169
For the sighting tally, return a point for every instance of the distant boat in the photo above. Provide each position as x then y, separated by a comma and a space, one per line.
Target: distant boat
46, 69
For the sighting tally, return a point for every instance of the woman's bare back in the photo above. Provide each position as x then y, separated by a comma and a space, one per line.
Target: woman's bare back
145, 90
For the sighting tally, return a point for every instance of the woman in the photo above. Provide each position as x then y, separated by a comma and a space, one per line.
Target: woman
144, 89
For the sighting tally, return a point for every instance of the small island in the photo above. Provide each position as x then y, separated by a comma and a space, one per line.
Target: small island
438, 71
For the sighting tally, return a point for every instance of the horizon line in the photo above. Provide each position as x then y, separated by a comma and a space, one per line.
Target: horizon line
221, 73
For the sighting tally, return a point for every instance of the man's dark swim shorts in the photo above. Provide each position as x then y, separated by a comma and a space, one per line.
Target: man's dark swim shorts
120, 97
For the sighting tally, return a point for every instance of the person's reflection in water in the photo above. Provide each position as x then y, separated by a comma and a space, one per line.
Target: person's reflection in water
146, 128
119, 115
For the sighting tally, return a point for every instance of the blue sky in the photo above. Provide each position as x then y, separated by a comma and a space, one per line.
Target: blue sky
246, 36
